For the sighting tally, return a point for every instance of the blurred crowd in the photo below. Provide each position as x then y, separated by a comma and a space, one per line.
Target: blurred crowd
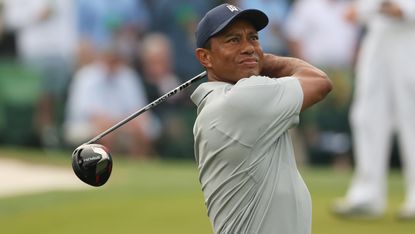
98, 61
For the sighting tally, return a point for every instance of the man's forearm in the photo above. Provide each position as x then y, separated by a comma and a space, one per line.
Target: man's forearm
276, 66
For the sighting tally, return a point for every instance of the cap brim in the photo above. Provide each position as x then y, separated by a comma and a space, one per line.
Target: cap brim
256, 17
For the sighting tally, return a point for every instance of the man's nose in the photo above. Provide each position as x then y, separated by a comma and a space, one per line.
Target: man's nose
247, 47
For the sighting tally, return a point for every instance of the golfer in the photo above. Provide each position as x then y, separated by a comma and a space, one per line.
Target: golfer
243, 149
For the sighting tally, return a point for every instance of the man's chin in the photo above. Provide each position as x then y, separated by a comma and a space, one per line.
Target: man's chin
250, 73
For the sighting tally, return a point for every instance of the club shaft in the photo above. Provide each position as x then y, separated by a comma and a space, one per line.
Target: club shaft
148, 107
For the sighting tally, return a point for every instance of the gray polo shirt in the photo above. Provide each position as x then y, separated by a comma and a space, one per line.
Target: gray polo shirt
245, 156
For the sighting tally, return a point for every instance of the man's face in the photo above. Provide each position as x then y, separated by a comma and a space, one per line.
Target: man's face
235, 53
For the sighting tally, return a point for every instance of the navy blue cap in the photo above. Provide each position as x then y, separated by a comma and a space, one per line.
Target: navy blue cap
221, 16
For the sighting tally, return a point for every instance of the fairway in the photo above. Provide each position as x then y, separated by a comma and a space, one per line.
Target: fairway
165, 197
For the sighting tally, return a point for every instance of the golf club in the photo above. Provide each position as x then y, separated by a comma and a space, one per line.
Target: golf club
92, 163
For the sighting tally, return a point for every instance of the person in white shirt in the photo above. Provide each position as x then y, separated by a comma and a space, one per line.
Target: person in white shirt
103, 93
46, 42
383, 106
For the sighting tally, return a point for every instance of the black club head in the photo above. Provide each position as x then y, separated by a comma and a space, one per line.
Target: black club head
92, 163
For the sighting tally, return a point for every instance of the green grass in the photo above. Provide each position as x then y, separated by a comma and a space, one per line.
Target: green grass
165, 197
325, 186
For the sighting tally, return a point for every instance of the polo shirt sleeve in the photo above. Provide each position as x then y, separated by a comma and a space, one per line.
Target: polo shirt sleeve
260, 106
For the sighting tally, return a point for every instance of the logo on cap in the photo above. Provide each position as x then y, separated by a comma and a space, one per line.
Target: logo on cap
232, 8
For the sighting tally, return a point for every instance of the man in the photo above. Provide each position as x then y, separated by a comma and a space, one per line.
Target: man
383, 105
175, 138
244, 152
46, 41
101, 94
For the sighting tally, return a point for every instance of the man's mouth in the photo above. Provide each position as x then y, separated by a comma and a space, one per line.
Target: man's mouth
249, 61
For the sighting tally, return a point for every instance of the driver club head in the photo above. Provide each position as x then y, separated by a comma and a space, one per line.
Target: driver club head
92, 163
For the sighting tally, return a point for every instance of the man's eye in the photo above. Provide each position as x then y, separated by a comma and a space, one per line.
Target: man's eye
255, 38
233, 40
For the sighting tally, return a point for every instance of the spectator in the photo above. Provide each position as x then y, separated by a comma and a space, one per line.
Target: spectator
318, 33
102, 94
46, 41
383, 105
157, 66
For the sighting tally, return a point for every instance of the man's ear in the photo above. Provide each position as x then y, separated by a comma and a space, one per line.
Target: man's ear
203, 55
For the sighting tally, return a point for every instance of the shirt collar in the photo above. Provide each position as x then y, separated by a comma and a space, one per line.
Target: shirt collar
204, 89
